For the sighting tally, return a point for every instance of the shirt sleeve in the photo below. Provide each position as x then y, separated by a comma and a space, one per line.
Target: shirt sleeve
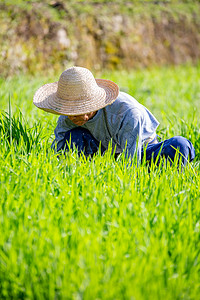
60, 131
129, 135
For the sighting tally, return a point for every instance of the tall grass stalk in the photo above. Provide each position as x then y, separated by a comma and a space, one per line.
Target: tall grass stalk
14, 130
100, 227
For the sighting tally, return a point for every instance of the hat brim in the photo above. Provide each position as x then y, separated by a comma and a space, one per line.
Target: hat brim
46, 99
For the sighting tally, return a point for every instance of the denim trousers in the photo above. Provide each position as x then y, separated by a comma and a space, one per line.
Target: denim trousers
83, 140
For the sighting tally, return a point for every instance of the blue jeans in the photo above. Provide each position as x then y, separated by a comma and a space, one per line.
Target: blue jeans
168, 150
82, 139
87, 144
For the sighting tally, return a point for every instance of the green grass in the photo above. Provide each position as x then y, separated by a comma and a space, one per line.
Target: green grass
78, 228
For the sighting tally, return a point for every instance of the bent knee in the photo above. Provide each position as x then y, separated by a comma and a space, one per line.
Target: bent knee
182, 145
179, 142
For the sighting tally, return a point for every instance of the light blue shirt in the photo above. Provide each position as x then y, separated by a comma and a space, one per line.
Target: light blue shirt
126, 122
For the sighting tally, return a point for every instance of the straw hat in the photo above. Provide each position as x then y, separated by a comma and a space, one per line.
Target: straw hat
77, 92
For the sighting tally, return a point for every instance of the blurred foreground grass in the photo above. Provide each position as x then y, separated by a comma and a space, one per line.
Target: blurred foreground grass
99, 229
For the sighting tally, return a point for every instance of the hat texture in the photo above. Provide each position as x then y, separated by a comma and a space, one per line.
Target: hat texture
77, 92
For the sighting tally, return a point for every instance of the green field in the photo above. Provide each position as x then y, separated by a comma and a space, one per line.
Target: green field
98, 228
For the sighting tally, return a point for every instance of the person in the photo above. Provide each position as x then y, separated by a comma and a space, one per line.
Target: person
93, 113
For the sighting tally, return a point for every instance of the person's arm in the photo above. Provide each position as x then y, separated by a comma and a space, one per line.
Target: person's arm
60, 131
129, 135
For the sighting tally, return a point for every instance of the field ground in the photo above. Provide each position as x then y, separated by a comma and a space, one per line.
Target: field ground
99, 228
36, 35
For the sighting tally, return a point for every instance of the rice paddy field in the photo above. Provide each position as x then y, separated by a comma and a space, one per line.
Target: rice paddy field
99, 228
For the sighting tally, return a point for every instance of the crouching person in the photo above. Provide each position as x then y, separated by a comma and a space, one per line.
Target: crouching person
94, 111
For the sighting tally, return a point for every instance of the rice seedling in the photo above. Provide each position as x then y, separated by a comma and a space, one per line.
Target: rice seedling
100, 228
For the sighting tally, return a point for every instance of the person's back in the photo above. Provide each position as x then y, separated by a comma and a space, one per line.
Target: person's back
125, 120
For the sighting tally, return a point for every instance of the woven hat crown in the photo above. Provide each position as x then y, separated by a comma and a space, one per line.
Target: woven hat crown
77, 83
77, 92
